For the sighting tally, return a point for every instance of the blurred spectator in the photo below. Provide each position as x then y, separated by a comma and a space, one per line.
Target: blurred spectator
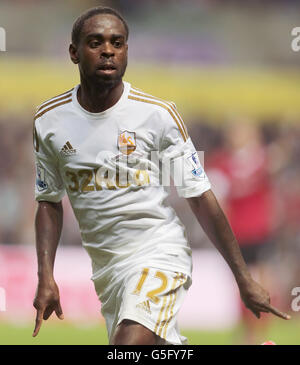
284, 154
240, 175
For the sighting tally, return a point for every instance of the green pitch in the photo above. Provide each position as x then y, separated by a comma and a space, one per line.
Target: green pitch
54, 332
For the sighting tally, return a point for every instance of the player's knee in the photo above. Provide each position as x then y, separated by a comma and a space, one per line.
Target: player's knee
132, 333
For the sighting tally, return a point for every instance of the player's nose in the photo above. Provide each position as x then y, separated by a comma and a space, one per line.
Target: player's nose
107, 50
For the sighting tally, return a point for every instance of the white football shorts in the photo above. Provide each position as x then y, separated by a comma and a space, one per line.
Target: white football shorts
151, 297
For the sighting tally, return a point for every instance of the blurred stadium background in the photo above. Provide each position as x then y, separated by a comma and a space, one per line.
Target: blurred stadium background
229, 67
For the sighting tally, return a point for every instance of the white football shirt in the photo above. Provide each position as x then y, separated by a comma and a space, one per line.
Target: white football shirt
109, 164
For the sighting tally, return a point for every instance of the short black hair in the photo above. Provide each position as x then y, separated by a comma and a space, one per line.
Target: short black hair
79, 23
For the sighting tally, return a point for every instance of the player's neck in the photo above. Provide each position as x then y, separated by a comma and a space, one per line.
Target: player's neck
100, 98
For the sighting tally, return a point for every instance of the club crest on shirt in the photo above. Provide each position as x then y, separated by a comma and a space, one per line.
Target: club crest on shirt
41, 178
126, 142
194, 161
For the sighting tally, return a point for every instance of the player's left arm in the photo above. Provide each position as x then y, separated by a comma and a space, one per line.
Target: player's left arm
196, 188
215, 224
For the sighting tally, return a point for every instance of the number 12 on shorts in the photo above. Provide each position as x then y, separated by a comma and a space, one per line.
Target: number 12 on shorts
152, 294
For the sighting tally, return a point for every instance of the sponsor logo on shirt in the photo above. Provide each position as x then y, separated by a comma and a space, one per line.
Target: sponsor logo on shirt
126, 142
41, 178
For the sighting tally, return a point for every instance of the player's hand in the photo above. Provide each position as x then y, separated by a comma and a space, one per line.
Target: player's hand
257, 299
45, 302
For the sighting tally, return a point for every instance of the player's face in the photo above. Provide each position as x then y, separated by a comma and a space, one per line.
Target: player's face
102, 51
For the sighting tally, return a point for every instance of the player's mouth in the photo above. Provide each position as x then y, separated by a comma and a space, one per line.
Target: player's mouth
107, 69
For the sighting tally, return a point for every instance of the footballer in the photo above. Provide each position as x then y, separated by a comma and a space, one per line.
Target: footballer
96, 143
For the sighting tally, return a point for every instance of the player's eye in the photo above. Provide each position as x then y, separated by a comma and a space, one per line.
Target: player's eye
94, 44
117, 44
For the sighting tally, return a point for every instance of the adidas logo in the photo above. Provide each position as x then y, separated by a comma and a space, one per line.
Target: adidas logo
145, 306
68, 150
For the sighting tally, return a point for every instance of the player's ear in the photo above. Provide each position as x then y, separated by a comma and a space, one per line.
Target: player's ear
73, 53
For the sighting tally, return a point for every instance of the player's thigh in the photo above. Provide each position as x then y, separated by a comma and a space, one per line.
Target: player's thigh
130, 332
152, 299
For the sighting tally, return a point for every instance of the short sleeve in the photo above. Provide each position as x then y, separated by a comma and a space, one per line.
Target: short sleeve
49, 185
180, 160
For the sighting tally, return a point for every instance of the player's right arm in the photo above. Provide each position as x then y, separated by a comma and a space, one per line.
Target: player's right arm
48, 226
49, 191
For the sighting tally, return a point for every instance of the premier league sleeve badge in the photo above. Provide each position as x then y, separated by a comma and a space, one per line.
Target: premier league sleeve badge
195, 163
41, 178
